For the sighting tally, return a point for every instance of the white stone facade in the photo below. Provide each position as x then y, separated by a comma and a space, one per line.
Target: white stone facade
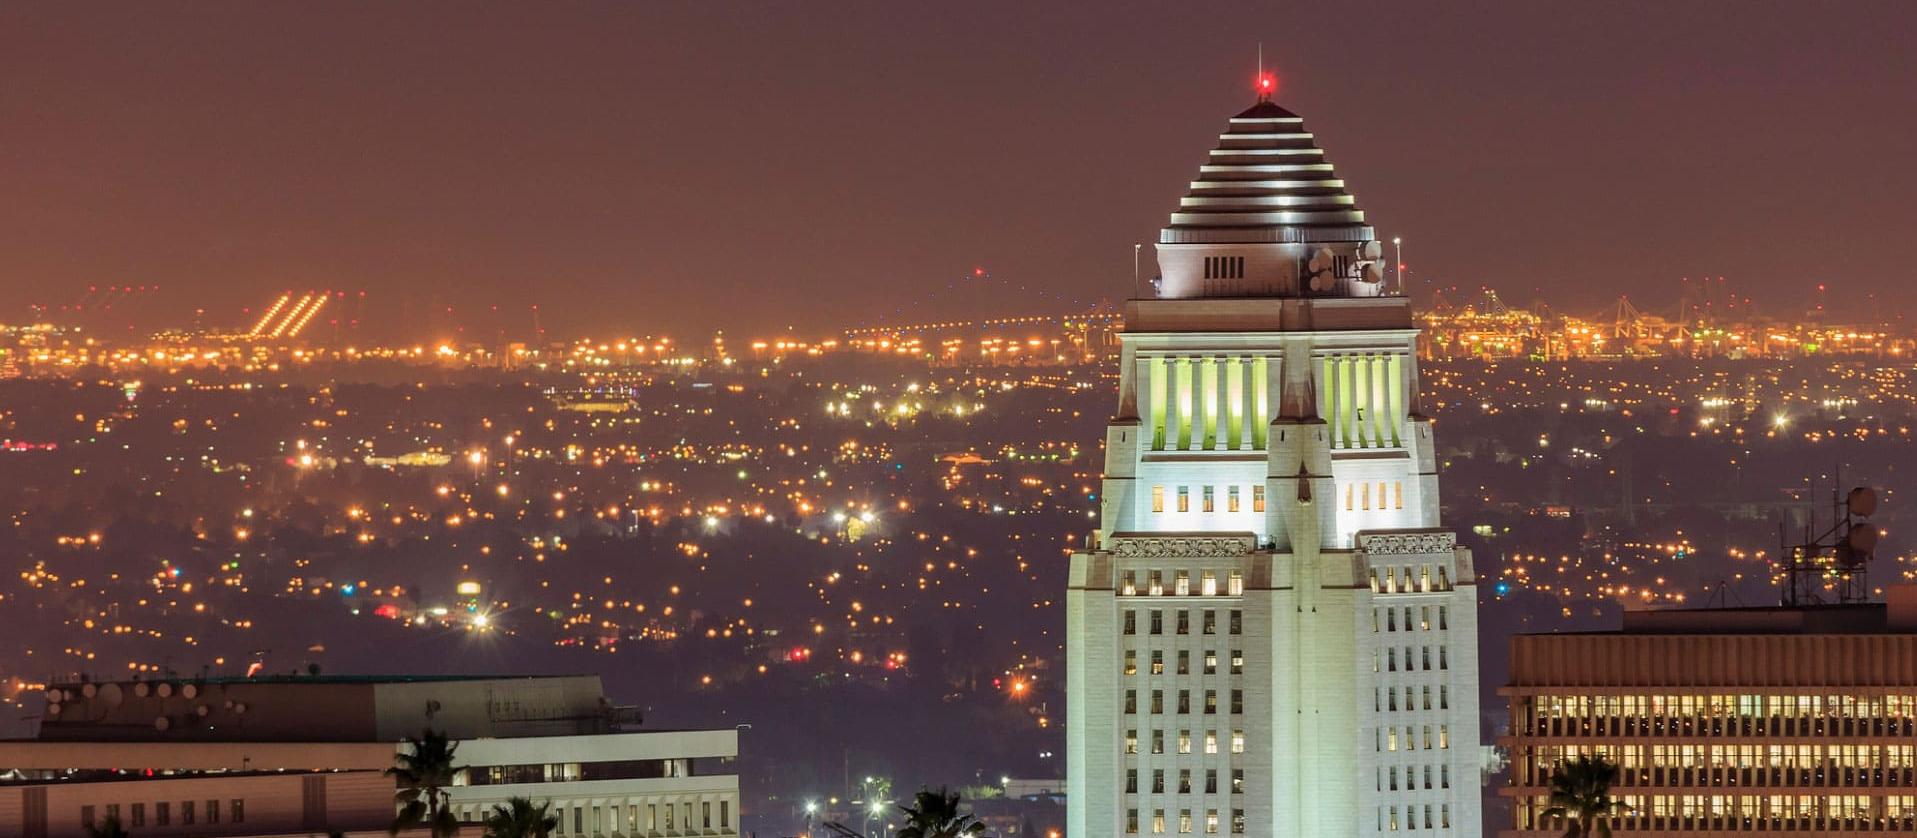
1270, 635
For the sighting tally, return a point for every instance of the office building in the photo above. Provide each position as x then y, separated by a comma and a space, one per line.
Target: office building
1727, 721
1271, 633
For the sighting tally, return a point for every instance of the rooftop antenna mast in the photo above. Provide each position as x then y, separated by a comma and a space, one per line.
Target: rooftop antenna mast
1835, 562
1266, 84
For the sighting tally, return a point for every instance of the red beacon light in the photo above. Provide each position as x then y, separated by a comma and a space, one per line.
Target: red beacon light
1267, 85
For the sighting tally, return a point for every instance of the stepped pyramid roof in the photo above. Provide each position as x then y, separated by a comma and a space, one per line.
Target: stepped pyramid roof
1267, 181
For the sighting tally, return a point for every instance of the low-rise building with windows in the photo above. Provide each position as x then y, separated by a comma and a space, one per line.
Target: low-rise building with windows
1726, 721
223, 757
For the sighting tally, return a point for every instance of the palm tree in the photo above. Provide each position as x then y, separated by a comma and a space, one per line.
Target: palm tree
520, 818
109, 828
424, 770
1581, 794
935, 814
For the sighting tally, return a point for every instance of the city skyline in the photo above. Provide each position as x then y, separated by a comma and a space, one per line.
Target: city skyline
610, 163
760, 412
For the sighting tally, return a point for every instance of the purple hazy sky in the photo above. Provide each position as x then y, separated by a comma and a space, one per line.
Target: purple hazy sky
654, 166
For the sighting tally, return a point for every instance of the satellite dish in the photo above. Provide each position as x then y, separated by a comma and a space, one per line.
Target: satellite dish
1849, 558
112, 695
165, 690
202, 710
162, 723
1862, 502
1863, 539
53, 709
1373, 272
54, 696
1373, 249
141, 689
189, 691
89, 690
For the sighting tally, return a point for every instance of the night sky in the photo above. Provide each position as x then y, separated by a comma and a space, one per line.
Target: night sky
681, 166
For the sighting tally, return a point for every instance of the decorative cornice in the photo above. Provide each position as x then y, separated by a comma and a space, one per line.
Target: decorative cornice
1182, 547
1407, 543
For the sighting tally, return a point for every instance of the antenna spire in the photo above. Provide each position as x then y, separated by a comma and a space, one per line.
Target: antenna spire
1267, 83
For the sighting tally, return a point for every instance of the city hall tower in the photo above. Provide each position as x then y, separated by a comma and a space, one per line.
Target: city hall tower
1271, 633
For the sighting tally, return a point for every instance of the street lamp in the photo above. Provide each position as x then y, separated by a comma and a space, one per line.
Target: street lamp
875, 791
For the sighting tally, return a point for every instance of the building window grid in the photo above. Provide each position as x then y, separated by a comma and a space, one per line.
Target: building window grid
1814, 766
1235, 587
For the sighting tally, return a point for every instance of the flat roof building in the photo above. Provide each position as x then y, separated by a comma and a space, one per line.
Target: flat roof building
1740, 720
298, 755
